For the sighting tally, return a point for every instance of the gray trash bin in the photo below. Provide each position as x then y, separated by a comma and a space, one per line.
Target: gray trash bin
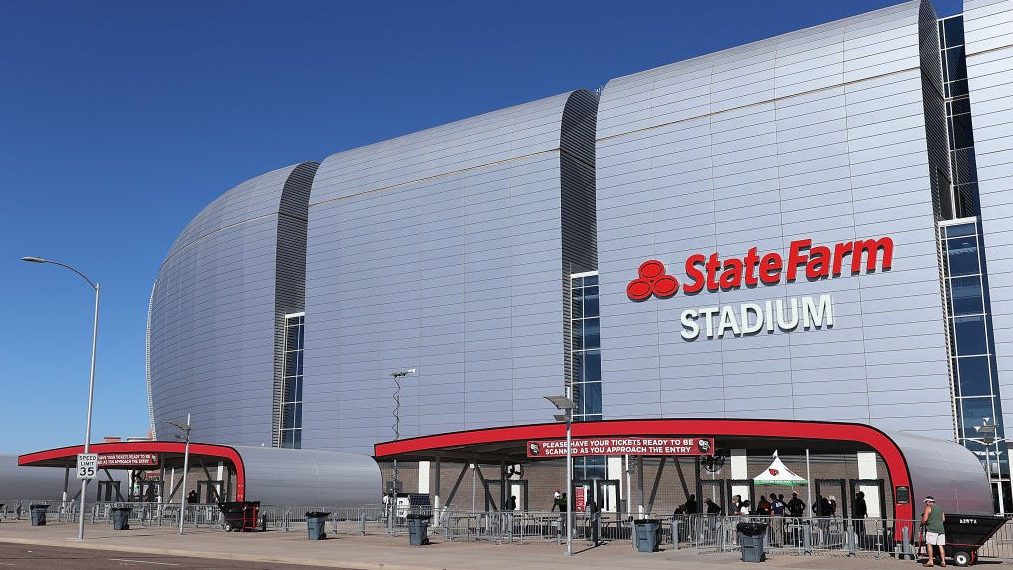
38, 514
315, 521
647, 534
418, 529
751, 537
121, 517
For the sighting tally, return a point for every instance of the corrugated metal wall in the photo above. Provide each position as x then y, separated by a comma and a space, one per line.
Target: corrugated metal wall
212, 320
440, 251
815, 134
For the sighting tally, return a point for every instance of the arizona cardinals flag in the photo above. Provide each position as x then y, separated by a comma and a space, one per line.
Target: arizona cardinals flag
778, 474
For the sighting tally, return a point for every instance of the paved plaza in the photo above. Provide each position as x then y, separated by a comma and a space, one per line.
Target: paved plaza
274, 548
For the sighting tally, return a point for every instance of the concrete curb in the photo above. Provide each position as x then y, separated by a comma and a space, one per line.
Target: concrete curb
70, 543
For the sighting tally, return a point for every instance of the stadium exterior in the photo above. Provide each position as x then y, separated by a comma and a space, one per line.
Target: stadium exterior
813, 227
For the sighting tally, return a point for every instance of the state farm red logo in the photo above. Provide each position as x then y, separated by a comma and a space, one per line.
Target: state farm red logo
652, 280
716, 274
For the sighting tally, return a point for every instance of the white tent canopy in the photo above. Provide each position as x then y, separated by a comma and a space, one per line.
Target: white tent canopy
778, 474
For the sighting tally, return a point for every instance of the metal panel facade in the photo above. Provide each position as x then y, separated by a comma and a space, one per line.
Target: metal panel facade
440, 251
212, 318
815, 134
988, 34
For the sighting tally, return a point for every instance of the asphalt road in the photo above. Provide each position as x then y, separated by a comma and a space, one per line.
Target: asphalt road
58, 558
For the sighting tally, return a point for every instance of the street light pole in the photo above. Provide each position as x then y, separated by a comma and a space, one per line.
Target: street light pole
397, 375
186, 467
567, 406
987, 440
91, 376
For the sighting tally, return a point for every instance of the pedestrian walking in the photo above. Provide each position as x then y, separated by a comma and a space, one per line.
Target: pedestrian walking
935, 531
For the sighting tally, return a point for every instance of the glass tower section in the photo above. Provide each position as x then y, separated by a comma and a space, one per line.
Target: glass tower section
585, 355
290, 430
969, 317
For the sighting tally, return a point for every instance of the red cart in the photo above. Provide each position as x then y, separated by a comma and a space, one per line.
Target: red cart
240, 515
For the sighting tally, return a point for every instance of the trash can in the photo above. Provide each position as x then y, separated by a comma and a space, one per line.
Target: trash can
121, 517
315, 521
751, 537
647, 534
38, 514
418, 529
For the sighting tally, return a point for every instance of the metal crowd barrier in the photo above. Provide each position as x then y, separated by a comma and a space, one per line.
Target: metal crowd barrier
704, 533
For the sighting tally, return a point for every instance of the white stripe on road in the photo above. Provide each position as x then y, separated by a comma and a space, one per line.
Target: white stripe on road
143, 562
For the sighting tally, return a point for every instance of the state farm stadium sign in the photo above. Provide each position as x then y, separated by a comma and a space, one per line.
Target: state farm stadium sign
712, 273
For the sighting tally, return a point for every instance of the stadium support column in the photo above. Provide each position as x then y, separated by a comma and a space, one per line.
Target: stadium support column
640, 486
436, 484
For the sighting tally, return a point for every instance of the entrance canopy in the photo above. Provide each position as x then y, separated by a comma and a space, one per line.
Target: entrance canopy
292, 477
917, 466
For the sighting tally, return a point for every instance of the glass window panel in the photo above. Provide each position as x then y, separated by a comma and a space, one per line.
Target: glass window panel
973, 411
298, 389
578, 396
962, 137
973, 376
291, 390
964, 165
956, 88
591, 366
960, 106
577, 335
970, 335
955, 64
592, 398
297, 438
291, 363
592, 333
591, 302
960, 230
576, 305
965, 293
953, 30
962, 256
291, 416
591, 280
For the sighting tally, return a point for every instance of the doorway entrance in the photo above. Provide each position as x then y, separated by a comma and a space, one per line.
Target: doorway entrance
834, 491
108, 491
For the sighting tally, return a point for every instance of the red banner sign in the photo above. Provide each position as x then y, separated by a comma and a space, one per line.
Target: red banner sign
106, 460
603, 446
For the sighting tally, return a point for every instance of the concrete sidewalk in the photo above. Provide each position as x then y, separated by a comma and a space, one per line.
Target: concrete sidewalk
384, 553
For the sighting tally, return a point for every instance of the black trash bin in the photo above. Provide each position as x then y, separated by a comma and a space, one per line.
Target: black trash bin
38, 514
121, 517
647, 534
315, 521
751, 537
418, 529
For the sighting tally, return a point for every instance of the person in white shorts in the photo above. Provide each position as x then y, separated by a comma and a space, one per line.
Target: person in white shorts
935, 531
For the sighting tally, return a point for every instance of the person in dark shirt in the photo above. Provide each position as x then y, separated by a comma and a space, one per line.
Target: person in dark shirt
712, 507
859, 511
796, 506
690, 508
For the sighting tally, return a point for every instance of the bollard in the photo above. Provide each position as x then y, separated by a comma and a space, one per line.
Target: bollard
675, 533
851, 540
807, 538
906, 532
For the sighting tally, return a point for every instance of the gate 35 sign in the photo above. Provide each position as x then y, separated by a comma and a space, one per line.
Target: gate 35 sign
602, 446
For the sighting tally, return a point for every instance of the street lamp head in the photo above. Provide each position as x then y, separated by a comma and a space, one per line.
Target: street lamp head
561, 402
33, 259
402, 373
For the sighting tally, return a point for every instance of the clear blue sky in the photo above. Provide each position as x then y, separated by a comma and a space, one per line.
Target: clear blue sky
120, 120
